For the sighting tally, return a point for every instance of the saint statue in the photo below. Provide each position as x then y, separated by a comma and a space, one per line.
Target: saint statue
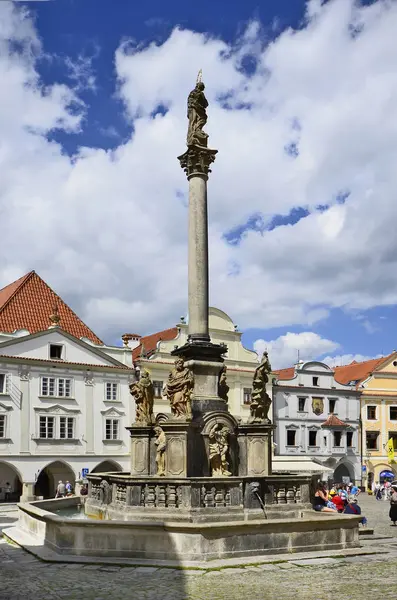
260, 402
161, 445
196, 113
218, 450
143, 392
178, 390
223, 388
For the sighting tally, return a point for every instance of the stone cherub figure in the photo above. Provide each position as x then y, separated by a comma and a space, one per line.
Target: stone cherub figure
143, 392
223, 388
196, 113
218, 450
178, 390
260, 402
161, 445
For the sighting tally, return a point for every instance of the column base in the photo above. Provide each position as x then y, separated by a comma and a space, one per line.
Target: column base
27, 492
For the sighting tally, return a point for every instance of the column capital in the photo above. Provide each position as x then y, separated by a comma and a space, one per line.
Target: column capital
197, 160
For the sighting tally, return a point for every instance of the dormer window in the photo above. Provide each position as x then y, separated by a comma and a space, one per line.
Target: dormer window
56, 351
315, 381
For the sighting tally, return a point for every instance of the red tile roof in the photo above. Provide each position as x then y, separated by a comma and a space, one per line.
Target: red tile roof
284, 374
149, 342
333, 421
358, 371
28, 303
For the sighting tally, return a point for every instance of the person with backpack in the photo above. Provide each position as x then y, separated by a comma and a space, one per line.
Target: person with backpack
352, 508
393, 505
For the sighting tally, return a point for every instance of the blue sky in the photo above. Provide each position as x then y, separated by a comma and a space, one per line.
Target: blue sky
289, 255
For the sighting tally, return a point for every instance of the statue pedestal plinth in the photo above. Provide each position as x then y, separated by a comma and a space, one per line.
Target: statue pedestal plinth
255, 449
205, 361
140, 450
182, 448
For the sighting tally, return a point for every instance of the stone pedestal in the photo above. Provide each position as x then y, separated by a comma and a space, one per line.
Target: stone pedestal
255, 449
140, 450
27, 492
182, 452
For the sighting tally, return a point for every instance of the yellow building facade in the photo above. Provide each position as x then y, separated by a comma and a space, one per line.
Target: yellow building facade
379, 419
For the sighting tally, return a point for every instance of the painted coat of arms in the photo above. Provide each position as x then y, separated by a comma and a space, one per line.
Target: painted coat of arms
318, 406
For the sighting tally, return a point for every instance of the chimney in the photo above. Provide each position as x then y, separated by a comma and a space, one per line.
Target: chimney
131, 340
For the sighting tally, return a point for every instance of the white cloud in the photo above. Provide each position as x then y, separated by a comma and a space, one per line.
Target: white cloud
341, 360
284, 350
108, 229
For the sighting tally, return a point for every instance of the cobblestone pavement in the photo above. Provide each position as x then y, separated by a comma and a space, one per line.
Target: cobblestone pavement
24, 577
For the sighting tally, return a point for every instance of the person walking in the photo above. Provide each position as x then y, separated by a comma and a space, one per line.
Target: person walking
7, 492
61, 490
393, 506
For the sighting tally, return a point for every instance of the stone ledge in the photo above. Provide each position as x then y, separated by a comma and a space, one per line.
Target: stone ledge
30, 544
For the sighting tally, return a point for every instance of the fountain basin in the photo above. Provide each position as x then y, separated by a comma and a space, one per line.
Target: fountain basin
176, 543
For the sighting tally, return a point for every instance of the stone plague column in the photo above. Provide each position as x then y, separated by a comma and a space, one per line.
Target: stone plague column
200, 355
196, 162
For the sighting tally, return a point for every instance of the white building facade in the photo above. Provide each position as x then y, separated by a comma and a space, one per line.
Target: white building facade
64, 406
318, 417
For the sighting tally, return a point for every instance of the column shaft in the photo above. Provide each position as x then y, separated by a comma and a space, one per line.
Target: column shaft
198, 258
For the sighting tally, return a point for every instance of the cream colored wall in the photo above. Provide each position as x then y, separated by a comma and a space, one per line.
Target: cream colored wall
379, 390
240, 362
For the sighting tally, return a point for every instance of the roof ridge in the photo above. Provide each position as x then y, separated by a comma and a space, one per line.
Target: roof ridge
23, 279
71, 309
363, 362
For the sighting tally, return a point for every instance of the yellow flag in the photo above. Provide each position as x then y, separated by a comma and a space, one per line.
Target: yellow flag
390, 450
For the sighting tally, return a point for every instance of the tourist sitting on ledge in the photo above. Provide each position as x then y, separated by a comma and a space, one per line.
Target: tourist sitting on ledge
352, 508
321, 500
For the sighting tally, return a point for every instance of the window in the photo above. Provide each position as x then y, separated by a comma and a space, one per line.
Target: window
337, 438
371, 413
393, 436
55, 351
315, 381
66, 428
112, 429
158, 388
2, 426
247, 395
332, 404
52, 386
393, 413
301, 404
349, 439
111, 391
291, 434
47, 427
372, 440
2, 383
312, 438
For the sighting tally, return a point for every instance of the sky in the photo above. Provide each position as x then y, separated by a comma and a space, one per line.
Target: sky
302, 196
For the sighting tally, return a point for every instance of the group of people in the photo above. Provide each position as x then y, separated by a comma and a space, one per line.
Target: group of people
64, 489
382, 490
341, 498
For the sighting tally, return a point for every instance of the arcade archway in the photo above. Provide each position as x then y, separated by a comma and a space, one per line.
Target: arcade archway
47, 481
344, 472
107, 466
10, 483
